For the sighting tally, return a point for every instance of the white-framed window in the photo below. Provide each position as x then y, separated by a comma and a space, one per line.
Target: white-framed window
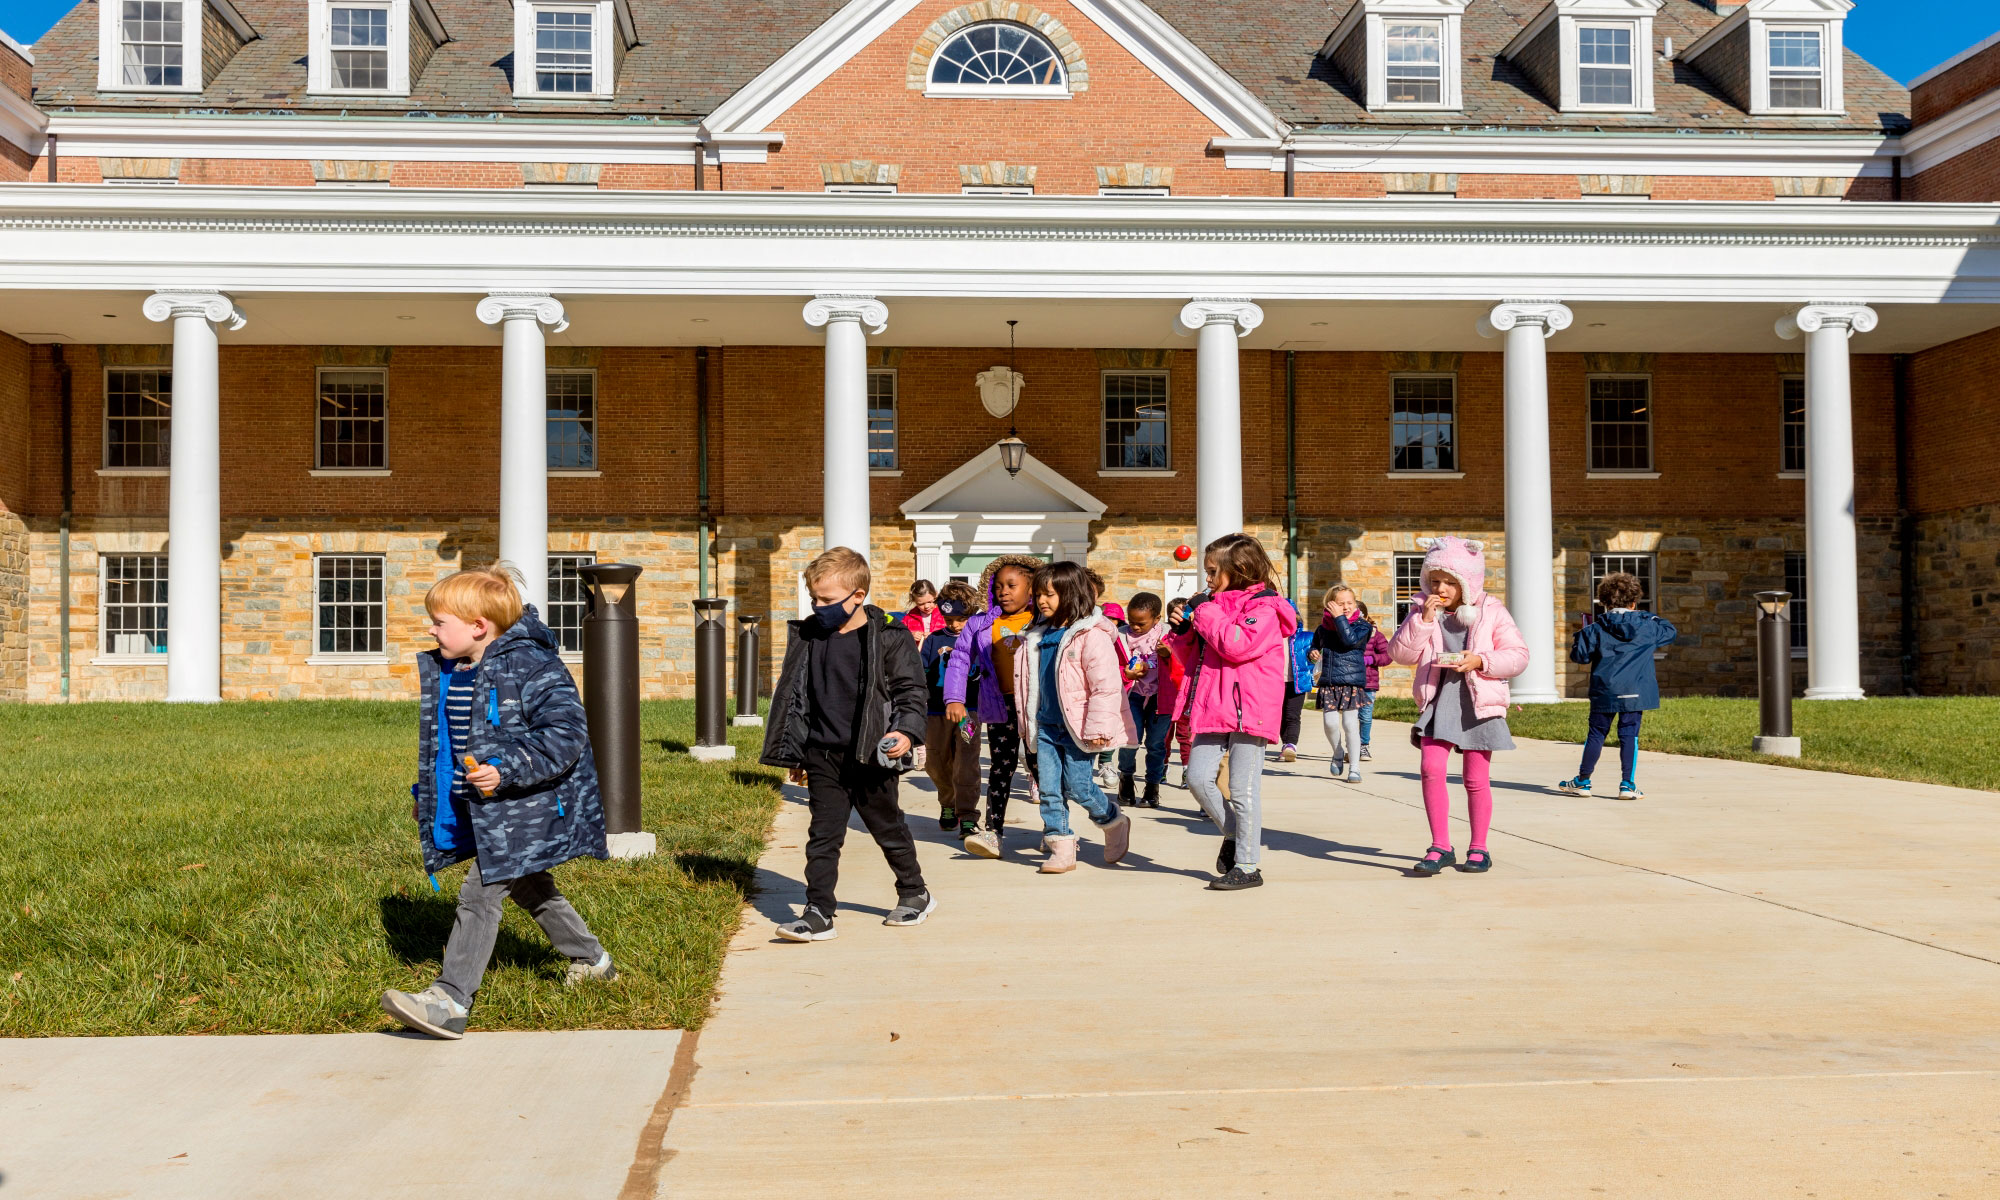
350, 612
1606, 75
364, 46
1777, 56
1797, 58
565, 51
1795, 583
569, 51
1401, 54
1136, 428
352, 421
1639, 566
359, 45
1792, 425
138, 417
997, 59
882, 420
1409, 586
132, 605
572, 398
1621, 423
1413, 63
149, 45
1423, 423
566, 600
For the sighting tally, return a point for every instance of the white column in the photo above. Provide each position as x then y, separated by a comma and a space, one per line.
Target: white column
1833, 608
1531, 530
1218, 412
845, 441
524, 433
194, 504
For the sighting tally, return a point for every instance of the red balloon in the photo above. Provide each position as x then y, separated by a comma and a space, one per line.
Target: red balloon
1183, 553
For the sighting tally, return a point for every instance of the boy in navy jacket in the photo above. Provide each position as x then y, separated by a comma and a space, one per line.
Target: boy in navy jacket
1618, 646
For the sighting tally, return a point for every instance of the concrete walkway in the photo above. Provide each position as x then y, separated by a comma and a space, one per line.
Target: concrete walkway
1757, 982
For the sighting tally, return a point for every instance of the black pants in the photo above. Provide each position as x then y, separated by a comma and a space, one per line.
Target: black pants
1288, 727
1003, 745
835, 786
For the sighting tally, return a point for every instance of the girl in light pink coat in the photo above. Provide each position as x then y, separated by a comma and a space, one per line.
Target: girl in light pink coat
1236, 640
1465, 647
1069, 688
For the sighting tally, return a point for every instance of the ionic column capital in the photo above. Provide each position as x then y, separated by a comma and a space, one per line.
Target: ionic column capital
215, 307
824, 310
1552, 315
1852, 315
1222, 310
524, 306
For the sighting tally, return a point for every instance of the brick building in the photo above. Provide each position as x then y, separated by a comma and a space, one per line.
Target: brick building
304, 303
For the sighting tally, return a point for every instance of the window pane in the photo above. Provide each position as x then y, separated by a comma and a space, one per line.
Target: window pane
563, 51
1414, 62
1409, 585
351, 613
572, 420
352, 420
1795, 93
1795, 49
1638, 565
1135, 422
150, 36
134, 604
1604, 65
566, 603
881, 420
1621, 429
1422, 425
1793, 426
137, 407
1795, 583
1797, 74
997, 54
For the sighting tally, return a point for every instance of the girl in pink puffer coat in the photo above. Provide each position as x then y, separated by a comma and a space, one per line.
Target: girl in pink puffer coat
1465, 647
1236, 640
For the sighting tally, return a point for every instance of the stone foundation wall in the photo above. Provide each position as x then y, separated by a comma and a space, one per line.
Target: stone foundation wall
1958, 614
13, 607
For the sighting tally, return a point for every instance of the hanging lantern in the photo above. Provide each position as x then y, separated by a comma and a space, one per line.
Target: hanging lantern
1013, 453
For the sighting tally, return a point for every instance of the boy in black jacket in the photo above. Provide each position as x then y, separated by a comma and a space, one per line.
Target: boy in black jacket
848, 710
1619, 648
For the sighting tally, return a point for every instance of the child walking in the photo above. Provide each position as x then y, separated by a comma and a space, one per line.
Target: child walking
848, 708
951, 748
495, 691
1465, 647
1145, 676
1619, 648
1376, 656
1173, 680
1340, 646
1301, 673
1069, 681
1236, 637
921, 616
985, 652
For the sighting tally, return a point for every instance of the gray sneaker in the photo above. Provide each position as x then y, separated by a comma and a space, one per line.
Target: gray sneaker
812, 926
581, 971
912, 910
429, 1011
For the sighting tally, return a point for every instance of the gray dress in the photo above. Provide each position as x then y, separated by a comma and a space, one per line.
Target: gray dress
1450, 717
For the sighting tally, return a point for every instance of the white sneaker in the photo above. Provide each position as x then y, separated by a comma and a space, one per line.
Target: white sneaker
984, 844
581, 971
812, 926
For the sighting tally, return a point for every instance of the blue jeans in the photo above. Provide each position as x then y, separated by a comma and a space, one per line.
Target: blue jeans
1064, 773
1628, 743
1367, 718
1154, 726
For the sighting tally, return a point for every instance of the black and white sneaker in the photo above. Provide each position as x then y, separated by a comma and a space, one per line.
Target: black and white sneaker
912, 910
812, 926
1237, 880
1225, 860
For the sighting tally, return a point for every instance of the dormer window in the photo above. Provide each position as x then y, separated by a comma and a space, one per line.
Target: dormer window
370, 47
1777, 57
998, 59
152, 43
165, 45
1590, 55
1604, 72
570, 51
1401, 54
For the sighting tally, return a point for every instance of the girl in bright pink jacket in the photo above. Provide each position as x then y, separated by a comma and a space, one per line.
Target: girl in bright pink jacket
1465, 647
1236, 639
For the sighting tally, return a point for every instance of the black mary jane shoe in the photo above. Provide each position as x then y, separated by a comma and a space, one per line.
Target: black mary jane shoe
1477, 862
1428, 866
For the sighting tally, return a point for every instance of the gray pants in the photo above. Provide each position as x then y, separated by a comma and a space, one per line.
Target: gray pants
1241, 815
1343, 733
477, 926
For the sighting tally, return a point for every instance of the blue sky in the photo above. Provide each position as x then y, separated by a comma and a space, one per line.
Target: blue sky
1903, 37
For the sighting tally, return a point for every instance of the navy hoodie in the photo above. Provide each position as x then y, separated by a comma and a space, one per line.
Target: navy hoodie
1619, 647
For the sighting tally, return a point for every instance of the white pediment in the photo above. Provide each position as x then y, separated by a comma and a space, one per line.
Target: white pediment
982, 486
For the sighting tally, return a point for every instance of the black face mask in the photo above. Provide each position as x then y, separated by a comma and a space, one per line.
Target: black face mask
832, 616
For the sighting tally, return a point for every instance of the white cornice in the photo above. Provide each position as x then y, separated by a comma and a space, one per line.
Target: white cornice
22, 123
1183, 66
1832, 156
805, 66
1964, 128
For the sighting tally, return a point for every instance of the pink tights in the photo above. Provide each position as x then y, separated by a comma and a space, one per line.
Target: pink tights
1477, 767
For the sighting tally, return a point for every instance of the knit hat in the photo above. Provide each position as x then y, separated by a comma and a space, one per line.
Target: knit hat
951, 606
1459, 560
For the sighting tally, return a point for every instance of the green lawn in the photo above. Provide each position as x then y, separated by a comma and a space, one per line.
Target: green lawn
1950, 740
252, 868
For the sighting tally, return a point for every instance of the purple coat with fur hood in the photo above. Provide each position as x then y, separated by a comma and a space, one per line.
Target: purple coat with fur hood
975, 647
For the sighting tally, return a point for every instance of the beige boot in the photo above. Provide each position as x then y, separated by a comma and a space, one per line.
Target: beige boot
1117, 839
1062, 856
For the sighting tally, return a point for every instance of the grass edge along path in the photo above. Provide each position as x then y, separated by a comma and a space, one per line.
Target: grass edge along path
252, 868
1950, 740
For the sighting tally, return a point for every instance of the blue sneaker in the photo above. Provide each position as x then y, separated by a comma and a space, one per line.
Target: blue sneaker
1630, 791
1575, 787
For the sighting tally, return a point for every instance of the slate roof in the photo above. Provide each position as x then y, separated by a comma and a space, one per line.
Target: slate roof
693, 54
1271, 47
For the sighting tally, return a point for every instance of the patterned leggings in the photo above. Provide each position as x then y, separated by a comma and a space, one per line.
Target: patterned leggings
1003, 745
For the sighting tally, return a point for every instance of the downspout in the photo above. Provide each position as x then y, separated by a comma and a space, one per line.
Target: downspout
1292, 476
1896, 178
1906, 523
701, 544
1291, 173
68, 507
51, 151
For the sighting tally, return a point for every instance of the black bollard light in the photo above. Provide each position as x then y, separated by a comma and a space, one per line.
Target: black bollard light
611, 700
711, 683
1774, 676
746, 671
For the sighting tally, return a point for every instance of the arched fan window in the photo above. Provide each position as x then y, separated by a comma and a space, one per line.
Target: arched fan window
997, 59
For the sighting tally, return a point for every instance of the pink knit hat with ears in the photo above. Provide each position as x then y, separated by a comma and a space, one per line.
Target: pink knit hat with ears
1461, 560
